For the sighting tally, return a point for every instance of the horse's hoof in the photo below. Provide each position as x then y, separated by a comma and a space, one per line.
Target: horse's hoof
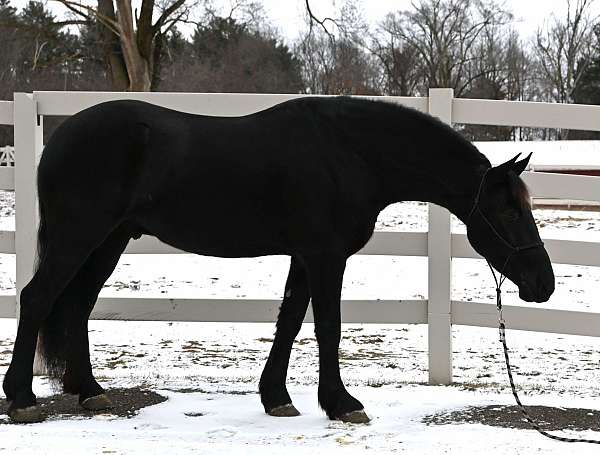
355, 417
97, 403
285, 410
30, 414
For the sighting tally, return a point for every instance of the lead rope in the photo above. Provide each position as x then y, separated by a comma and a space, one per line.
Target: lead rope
502, 329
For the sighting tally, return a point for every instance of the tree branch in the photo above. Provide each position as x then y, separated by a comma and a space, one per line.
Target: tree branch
165, 15
169, 24
108, 22
71, 22
321, 22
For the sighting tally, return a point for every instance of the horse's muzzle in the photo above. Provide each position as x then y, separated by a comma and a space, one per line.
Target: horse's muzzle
539, 292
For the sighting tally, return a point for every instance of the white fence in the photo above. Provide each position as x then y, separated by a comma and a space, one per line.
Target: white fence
440, 245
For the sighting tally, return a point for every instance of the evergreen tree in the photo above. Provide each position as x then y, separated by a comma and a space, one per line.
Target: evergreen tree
8, 14
230, 56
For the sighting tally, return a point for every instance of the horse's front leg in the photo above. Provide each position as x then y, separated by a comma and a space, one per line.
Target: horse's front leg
273, 393
325, 274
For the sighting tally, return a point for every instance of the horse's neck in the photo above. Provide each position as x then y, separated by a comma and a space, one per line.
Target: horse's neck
431, 166
452, 184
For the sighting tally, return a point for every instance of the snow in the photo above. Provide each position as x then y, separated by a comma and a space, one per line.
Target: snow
565, 155
235, 424
385, 366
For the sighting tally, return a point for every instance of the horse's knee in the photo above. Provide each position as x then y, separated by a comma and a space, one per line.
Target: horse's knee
291, 315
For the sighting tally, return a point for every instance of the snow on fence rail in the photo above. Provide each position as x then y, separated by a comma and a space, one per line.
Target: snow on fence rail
439, 244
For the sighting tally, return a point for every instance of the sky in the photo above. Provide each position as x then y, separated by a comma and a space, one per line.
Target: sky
528, 14
286, 15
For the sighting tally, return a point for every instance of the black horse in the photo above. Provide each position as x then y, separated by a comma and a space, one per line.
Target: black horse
306, 178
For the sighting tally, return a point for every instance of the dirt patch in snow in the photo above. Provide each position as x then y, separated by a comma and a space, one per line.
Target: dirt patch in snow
127, 403
548, 418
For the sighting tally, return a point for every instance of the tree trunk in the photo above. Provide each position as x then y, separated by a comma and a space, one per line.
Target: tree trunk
112, 49
157, 60
138, 67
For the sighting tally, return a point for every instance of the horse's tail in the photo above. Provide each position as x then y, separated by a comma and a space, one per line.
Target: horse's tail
42, 238
52, 337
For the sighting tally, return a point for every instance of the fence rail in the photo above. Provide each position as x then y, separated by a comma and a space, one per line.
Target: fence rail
439, 244
6, 113
219, 104
526, 114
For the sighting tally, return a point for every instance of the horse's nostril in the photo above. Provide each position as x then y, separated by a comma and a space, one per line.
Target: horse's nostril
545, 288
542, 291
525, 292
547, 291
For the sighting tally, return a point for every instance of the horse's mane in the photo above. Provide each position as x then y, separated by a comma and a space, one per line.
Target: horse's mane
385, 114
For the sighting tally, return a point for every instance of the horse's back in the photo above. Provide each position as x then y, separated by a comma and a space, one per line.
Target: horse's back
194, 180
235, 185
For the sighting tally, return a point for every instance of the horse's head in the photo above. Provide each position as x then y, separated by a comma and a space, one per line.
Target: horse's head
501, 228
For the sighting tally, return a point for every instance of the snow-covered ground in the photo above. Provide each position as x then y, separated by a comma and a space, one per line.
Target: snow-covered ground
234, 424
213, 369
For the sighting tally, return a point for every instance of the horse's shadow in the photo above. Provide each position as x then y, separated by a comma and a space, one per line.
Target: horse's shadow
127, 403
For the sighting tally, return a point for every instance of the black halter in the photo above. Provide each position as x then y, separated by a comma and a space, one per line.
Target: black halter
512, 249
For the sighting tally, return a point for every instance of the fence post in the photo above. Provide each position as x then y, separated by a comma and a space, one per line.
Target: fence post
439, 308
28, 132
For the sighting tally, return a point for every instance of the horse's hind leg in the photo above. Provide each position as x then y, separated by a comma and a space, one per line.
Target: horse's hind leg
273, 393
72, 311
62, 259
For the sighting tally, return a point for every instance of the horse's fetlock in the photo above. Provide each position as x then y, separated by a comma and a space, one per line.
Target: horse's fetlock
8, 385
22, 399
273, 395
337, 402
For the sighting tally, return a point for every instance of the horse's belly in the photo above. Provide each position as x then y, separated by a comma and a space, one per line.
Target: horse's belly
223, 233
227, 247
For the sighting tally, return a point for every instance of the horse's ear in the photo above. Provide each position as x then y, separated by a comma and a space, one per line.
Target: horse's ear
500, 172
520, 166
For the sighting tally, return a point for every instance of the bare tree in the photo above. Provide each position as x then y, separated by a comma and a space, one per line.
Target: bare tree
132, 39
444, 33
334, 56
402, 72
501, 66
488, 74
564, 49
335, 67
520, 83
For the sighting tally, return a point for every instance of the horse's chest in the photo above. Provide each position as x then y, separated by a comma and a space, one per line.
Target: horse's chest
359, 233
